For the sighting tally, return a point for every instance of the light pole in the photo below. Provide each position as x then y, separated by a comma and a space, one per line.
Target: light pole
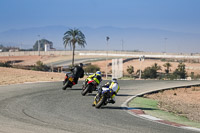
141, 59
38, 45
107, 38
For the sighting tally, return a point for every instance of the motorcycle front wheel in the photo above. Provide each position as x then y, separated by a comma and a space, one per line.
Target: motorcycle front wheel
65, 85
100, 102
86, 90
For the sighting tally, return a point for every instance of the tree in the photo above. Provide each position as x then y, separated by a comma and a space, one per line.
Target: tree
180, 72
167, 65
42, 43
156, 67
71, 37
151, 72
130, 69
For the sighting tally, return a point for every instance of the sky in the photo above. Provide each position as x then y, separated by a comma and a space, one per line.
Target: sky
172, 15
176, 15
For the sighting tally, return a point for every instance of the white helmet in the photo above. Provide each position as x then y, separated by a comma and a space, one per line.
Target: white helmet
114, 80
98, 72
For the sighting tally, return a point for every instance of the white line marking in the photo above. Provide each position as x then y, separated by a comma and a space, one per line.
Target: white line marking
151, 117
191, 128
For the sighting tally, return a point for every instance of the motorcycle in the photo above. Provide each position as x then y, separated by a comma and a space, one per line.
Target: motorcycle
89, 87
68, 81
103, 97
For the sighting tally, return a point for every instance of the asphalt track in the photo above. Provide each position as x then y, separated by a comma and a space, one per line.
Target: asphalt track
68, 62
45, 108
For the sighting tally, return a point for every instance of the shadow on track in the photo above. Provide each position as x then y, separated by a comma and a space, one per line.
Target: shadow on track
112, 107
121, 95
124, 95
72, 89
91, 94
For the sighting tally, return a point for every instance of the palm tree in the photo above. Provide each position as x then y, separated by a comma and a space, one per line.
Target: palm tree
156, 67
130, 70
167, 65
73, 36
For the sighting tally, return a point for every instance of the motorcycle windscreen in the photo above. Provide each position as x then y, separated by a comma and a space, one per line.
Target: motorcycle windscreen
105, 89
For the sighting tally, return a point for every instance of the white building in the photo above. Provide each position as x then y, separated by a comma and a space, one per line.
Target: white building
47, 47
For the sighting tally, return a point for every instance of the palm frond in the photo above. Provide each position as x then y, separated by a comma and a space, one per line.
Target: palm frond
73, 36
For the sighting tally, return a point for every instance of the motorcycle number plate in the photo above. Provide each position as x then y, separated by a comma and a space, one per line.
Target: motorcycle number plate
71, 79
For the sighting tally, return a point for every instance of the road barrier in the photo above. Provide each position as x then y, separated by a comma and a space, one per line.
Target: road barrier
104, 53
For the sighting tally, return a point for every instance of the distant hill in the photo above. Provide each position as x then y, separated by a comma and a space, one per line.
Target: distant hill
151, 40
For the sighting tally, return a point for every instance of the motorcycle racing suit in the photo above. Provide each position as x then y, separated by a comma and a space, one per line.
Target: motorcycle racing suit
114, 88
78, 72
96, 77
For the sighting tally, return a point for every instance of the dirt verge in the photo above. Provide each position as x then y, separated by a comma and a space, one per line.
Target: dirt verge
181, 101
14, 76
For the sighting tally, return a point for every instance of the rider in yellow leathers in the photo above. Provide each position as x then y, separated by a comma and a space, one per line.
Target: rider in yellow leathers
96, 77
113, 87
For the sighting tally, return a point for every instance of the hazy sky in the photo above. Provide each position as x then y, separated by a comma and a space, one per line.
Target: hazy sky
174, 15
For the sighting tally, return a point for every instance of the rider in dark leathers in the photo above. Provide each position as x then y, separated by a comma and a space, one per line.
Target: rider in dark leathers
78, 72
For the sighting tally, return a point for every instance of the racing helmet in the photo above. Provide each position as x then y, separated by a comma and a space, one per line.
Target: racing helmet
98, 72
114, 80
81, 64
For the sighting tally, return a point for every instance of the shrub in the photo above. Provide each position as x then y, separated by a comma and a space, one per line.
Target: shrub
130, 70
5, 64
180, 72
151, 72
91, 68
40, 66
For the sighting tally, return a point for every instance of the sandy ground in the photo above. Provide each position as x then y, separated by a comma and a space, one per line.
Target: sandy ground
31, 60
14, 76
25, 60
182, 101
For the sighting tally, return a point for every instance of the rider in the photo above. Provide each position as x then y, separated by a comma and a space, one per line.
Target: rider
96, 76
114, 88
78, 72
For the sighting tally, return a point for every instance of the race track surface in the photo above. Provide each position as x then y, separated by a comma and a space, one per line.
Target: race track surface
46, 108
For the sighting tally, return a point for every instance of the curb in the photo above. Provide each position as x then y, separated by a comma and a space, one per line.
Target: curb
141, 114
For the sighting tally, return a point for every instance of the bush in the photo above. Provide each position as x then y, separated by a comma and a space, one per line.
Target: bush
130, 70
91, 68
40, 66
197, 76
149, 72
5, 64
180, 72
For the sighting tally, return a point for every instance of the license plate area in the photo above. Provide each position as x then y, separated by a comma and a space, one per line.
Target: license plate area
71, 79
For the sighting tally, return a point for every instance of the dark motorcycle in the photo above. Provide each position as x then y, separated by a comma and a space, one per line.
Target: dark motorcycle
103, 97
89, 87
68, 81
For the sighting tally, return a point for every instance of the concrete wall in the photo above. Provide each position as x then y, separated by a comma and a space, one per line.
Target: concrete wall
29, 53
104, 53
